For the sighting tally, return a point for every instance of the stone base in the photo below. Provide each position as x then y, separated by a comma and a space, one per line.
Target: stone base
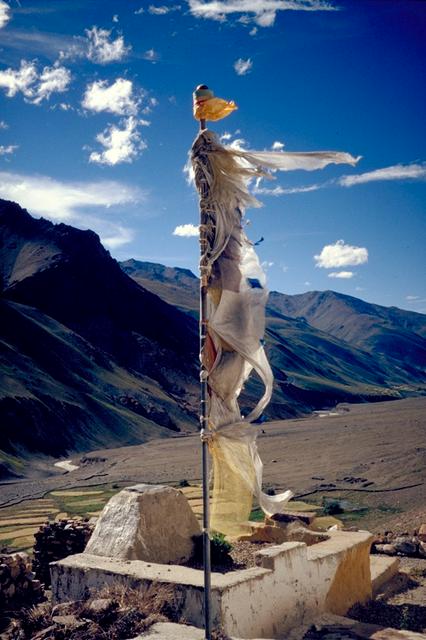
382, 569
291, 585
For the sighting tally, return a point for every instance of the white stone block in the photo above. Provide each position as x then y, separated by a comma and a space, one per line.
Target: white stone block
146, 522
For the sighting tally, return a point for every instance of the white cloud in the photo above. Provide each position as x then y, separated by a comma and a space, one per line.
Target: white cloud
3, 125
278, 146
345, 275
35, 86
239, 144
266, 264
139, 11
98, 46
74, 202
62, 201
242, 67
340, 254
52, 80
115, 18
23, 80
186, 230
102, 49
262, 12
7, 149
225, 136
4, 13
162, 9
280, 191
395, 172
117, 98
412, 298
253, 31
151, 55
115, 236
120, 144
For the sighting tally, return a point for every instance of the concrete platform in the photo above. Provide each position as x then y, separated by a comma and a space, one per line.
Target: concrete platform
383, 569
291, 585
172, 631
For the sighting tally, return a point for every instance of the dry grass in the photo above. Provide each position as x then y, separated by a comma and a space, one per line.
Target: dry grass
17, 533
22, 521
128, 613
58, 505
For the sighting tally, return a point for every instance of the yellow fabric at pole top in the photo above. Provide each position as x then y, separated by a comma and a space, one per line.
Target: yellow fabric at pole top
213, 108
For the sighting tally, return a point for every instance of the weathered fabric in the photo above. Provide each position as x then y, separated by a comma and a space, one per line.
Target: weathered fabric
237, 297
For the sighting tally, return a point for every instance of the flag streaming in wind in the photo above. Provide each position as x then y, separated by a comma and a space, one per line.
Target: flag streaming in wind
237, 295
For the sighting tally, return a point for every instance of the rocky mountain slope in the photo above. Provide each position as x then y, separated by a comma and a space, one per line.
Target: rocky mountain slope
87, 356
96, 354
395, 337
321, 339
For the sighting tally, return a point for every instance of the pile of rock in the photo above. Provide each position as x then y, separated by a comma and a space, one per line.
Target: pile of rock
57, 540
402, 544
17, 582
284, 527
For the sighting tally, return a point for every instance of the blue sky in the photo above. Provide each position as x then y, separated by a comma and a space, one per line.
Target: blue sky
96, 122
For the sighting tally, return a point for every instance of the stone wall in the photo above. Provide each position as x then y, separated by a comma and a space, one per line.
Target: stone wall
291, 586
57, 540
17, 582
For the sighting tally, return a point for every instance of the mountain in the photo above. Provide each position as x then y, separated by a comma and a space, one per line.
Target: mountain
396, 338
96, 354
88, 357
179, 287
344, 348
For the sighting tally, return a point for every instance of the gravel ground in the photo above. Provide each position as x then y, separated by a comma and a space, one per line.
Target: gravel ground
372, 454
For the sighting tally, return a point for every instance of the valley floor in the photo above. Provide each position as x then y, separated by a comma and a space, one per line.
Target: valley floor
369, 457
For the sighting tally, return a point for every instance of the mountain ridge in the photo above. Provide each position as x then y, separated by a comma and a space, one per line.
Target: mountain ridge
94, 353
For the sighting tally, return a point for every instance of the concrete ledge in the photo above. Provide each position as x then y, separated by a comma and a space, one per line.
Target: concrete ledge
382, 570
293, 584
171, 631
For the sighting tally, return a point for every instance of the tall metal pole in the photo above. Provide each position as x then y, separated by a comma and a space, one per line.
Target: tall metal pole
204, 409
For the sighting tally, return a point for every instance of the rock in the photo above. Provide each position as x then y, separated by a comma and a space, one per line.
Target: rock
290, 516
63, 608
297, 533
389, 549
69, 622
422, 533
264, 533
15, 571
45, 634
56, 541
405, 546
422, 549
101, 605
146, 522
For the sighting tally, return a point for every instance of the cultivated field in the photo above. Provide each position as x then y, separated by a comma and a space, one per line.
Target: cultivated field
369, 457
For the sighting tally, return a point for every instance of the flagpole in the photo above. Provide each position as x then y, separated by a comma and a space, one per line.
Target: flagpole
204, 413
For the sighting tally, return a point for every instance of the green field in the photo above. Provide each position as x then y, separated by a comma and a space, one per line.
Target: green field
19, 523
